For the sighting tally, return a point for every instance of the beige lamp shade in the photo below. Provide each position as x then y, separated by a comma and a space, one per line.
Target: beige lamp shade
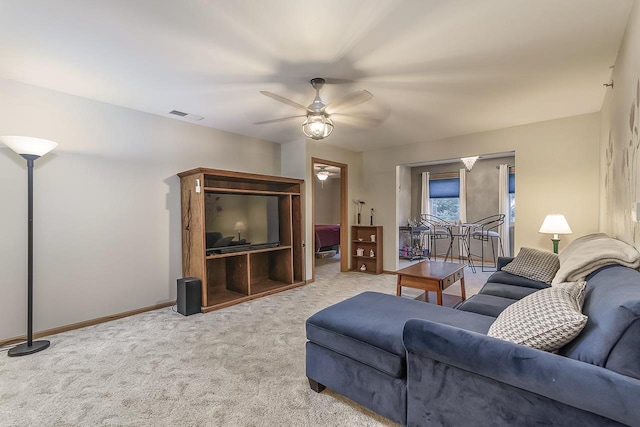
555, 224
28, 145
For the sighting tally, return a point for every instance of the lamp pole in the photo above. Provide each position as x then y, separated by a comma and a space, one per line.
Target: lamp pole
30, 149
555, 241
29, 347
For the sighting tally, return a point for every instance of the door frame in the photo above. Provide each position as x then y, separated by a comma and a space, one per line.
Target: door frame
344, 212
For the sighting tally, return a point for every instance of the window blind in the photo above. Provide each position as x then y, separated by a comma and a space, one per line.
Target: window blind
444, 188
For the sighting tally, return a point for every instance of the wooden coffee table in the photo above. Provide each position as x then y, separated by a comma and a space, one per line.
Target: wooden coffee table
432, 276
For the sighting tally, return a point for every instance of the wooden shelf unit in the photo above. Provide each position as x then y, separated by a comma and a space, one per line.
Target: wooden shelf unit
361, 238
234, 277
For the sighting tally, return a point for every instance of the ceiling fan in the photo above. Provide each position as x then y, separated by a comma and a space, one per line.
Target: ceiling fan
318, 123
322, 173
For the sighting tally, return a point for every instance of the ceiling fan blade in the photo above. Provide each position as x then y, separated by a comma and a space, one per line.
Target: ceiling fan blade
348, 101
336, 81
356, 120
283, 100
283, 119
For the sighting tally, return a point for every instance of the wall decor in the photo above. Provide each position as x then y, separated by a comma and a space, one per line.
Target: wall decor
621, 172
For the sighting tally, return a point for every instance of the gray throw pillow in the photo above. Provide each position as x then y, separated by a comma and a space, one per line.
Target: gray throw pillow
547, 319
534, 264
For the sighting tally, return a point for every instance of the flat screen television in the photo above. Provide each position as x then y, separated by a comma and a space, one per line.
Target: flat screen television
249, 219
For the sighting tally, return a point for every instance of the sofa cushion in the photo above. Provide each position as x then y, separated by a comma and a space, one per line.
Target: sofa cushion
488, 305
506, 291
368, 327
512, 279
546, 320
612, 334
534, 264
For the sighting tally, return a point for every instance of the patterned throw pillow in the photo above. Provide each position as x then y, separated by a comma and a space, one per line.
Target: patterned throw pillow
534, 264
547, 319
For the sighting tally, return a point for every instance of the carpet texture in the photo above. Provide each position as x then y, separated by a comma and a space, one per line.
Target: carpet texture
239, 366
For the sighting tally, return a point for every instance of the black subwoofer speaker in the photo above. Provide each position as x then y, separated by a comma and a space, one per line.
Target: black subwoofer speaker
189, 296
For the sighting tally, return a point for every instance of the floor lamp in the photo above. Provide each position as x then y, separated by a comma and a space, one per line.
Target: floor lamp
30, 149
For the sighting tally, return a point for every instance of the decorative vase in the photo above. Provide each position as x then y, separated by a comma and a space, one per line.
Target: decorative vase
358, 218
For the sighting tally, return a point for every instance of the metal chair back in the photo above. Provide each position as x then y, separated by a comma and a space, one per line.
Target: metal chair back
485, 229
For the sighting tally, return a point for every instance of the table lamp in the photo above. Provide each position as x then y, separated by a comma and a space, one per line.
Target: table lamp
555, 224
239, 227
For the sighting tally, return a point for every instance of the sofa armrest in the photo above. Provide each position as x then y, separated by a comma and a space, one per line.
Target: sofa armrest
571, 382
502, 261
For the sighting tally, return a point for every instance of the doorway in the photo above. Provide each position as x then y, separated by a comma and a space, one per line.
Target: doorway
329, 215
481, 201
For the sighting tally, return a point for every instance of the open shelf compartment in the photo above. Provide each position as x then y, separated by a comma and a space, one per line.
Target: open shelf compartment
270, 270
227, 279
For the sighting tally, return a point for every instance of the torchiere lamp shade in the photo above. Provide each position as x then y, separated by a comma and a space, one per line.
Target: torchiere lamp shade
26, 145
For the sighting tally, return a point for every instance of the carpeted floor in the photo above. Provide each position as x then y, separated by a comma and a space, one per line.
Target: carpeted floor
239, 366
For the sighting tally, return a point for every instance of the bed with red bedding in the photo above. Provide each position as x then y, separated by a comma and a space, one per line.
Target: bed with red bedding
327, 237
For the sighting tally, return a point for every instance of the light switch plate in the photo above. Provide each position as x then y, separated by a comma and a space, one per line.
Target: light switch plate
635, 209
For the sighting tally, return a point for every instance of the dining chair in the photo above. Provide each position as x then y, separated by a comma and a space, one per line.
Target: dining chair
437, 231
486, 230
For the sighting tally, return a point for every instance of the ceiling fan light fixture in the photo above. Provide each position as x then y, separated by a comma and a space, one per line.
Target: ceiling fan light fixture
317, 126
322, 175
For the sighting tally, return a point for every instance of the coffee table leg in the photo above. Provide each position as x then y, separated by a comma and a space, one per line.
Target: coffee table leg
398, 287
462, 293
439, 297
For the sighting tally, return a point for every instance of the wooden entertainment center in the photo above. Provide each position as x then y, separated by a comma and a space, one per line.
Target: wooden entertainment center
231, 274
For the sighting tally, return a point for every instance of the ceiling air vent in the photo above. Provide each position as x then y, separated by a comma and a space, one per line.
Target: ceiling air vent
186, 115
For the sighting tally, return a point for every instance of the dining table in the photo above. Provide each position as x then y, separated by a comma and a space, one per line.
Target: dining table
460, 231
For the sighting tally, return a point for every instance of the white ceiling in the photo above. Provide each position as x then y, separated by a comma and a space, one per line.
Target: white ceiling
436, 68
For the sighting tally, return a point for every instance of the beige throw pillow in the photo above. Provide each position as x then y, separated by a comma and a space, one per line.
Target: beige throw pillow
534, 264
547, 319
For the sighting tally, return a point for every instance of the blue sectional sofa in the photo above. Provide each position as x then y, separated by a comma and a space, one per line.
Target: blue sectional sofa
420, 364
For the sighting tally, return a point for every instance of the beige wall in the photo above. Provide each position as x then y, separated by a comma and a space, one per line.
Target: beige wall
620, 140
557, 163
405, 194
327, 201
107, 204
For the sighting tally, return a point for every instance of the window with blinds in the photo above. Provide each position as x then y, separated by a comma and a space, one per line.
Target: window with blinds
444, 197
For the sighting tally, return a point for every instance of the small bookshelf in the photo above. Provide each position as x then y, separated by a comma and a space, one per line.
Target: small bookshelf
364, 240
